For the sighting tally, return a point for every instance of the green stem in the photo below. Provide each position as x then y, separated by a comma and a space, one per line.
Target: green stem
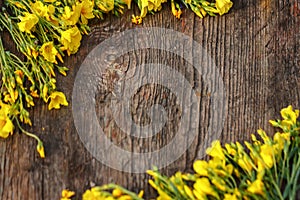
277, 188
26, 132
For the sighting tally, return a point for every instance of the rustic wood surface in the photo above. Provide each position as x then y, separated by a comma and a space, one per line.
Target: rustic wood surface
256, 49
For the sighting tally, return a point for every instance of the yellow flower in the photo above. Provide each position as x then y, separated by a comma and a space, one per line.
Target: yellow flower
286, 123
230, 149
57, 99
230, 197
45, 93
49, 52
219, 183
254, 139
267, 154
6, 125
50, 15
71, 17
87, 11
289, 115
203, 186
92, 194
219, 166
264, 136
216, 150
237, 192
200, 167
256, 187
143, 7
188, 192
240, 148
150, 5
162, 194
39, 8
34, 94
19, 76
127, 2
49, 1
223, 6
245, 163
199, 195
151, 182
70, 40
117, 192
67, 194
229, 168
136, 19
280, 139
274, 123
40, 149
27, 22
175, 12
141, 194
155, 5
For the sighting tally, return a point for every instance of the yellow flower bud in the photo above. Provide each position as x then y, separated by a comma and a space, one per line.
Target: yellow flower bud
67, 194
40, 149
117, 192
57, 99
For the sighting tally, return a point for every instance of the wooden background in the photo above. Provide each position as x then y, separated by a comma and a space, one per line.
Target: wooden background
256, 49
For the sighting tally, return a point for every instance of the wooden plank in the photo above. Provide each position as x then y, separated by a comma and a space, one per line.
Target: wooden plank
256, 49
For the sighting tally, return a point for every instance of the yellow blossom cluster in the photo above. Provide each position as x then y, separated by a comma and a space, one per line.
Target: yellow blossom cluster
265, 168
62, 20
233, 172
6, 125
102, 193
44, 31
200, 7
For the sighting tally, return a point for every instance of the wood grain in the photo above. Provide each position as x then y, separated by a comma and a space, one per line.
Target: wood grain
256, 49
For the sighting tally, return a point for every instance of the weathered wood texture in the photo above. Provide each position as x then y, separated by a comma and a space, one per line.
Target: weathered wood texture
256, 49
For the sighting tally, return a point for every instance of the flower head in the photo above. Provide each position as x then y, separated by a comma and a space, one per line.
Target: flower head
245, 163
71, 16
6, 125
57, 99
216, 150
230, 197
175, 12
27, 22
39, 8
127, 2
203, 186
162, 194
70, 40
136, 19
40, 149
49, 52
150, 5
87, 11
267, 154
230, 149
289, 115
200, 167
66, 194
117, 192
256, 187
223, 6
93, 193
